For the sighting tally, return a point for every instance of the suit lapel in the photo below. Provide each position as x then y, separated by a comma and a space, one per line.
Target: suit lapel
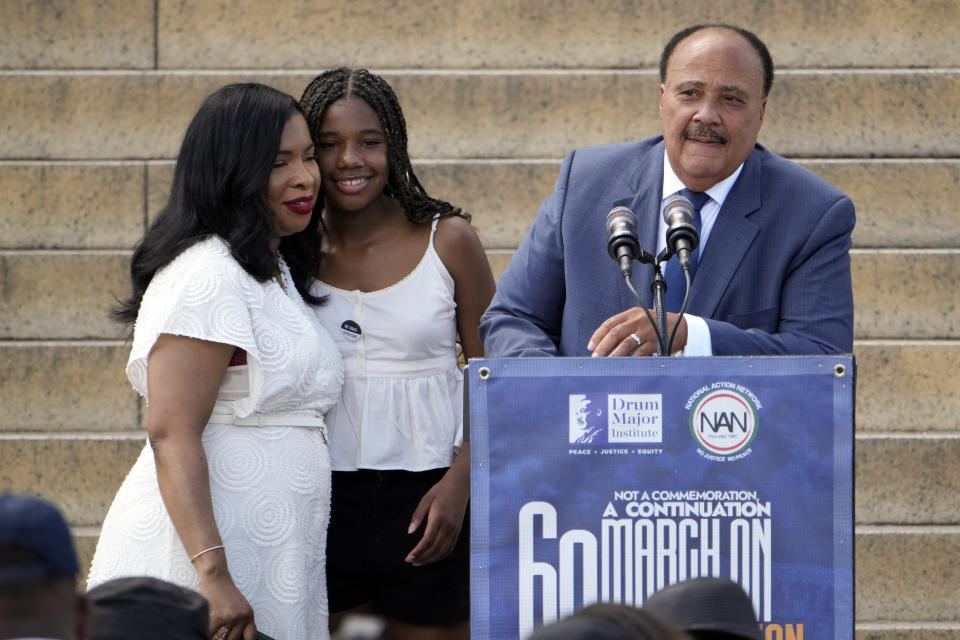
645, 204
731, 237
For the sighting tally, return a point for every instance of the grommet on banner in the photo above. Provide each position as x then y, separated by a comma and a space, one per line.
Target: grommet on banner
839, 370
484, 373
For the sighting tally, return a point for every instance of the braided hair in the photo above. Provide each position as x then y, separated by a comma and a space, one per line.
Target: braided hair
402, 182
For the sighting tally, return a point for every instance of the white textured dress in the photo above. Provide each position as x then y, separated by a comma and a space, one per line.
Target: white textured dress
268, 460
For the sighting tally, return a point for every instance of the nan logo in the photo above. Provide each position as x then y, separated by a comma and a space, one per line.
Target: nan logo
616, 418
724, 422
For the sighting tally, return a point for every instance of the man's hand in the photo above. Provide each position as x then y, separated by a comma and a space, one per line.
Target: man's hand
615, 337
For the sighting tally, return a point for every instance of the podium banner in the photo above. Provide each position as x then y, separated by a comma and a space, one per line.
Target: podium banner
606, 479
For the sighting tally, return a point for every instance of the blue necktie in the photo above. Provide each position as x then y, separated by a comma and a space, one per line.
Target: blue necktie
676, 283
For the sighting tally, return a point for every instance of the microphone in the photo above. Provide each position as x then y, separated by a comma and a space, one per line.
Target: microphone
682, 235
622, 243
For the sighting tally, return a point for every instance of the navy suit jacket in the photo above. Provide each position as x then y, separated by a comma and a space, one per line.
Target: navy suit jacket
774, 275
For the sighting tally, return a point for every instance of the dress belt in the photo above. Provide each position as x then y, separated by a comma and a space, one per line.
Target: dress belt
273, 420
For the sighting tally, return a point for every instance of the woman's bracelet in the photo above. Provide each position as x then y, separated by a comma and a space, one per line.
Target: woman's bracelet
219, 546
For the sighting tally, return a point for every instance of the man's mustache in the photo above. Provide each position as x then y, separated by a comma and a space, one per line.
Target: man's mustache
704, 132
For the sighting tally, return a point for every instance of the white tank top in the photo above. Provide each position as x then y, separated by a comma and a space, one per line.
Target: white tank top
401, 406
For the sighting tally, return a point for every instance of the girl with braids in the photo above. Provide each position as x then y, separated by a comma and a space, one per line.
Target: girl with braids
231, 495
405, 275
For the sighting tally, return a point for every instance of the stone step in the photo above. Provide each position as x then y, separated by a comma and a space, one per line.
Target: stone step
900, 203
81, 205
906, 574
907, 478
439, 34
459, 114
80, 473
80, 386
67, 295
904, 294
904, 386
83, 34
85, 543
561, 34
101, 205
898, 479
62, 295
929, 297
923, 280
66, 387
908, 631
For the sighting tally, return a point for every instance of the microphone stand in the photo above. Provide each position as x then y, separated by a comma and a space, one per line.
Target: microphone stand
659, 287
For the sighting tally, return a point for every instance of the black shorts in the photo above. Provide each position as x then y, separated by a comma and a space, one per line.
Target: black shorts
368, 541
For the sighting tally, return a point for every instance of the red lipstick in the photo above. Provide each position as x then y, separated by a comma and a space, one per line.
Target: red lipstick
302, 205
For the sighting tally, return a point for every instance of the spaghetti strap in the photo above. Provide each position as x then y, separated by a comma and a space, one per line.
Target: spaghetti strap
433, 231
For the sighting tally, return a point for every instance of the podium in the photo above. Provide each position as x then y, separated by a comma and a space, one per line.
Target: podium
606, 479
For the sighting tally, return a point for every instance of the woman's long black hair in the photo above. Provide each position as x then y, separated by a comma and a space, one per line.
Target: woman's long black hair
402, 182
219, 188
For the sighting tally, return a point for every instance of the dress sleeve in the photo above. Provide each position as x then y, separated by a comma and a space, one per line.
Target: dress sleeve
202, 294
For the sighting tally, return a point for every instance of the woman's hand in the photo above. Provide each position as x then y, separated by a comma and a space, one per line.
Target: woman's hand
443, 507
231, 616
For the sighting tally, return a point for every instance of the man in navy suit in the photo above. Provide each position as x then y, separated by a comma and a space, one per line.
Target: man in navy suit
774, 263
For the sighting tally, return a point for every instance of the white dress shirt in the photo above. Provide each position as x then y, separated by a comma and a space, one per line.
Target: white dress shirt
698, 334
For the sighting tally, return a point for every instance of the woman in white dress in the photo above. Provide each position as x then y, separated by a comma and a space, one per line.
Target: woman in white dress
231, 495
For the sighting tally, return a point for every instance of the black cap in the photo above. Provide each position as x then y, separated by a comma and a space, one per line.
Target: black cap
715, 605
147, 609
608, 621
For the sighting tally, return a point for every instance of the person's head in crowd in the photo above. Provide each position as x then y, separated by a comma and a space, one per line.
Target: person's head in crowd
713, 96
609, 621
147, 609
707, 609
353, 111
246, 172
38, 573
